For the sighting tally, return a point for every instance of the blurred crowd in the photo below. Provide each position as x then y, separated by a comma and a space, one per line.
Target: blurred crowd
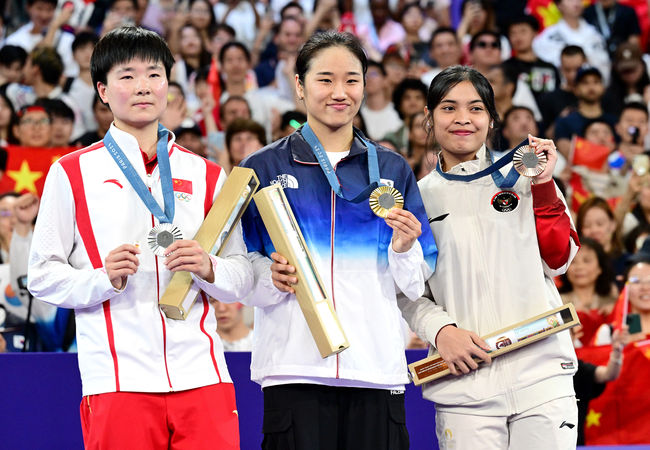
571, 70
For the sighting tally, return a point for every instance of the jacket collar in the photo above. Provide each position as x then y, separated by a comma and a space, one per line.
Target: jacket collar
302, 152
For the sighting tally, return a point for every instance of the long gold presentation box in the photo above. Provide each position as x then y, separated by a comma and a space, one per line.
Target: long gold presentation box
288, 240
222, 219
503, 341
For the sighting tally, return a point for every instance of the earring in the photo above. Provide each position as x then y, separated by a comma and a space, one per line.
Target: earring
491, 124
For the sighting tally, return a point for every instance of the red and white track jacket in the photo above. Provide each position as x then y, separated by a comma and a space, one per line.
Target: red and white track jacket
125, 342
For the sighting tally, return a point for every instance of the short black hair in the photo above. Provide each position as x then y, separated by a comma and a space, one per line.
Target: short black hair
84, 38
480, 34
51, 2
233, 44
605, 280
377, 65
133, 2
591, 122
290, 116
442, 30
407, 84
222, 27
10, 54
638, 106
514, 109
176, 84
49, 63
236, 98
324, 40
524, 19
291, 5
573, 50
239, 125
124, 44
55, 108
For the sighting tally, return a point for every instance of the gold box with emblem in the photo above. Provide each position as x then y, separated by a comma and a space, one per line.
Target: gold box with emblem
313, 299
503, 341
223, 217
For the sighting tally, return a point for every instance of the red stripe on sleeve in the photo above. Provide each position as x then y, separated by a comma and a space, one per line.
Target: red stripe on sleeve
206, 309
554, 232
212, 172
71, 165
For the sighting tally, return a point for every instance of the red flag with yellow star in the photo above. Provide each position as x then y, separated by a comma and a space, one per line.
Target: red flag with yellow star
27, 167
620, 414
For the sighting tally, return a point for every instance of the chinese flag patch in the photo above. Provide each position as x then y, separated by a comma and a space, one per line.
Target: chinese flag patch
182, 185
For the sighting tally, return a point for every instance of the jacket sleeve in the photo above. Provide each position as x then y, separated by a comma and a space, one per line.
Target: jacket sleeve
50, 275
424, 316
411, 269
557, 238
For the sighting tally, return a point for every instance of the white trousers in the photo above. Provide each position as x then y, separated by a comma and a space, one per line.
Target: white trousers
551, 425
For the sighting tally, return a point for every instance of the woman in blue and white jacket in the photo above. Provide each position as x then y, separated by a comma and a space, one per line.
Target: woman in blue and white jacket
363, 260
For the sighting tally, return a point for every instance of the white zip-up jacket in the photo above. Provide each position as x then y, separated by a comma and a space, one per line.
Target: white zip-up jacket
125, 342
495, 268
352, 253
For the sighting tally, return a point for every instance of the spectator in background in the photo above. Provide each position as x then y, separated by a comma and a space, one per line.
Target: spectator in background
638, 279
62, 121
409, 98
80, 88
176, 111
121, 13
191, 138
418, 28
572, 29
32, 127
589, 281
7, 223
396, 69
597, 221
12, 61
589, 90
42, 75
201, 16
632, 131
562, 100
616, 23
485, 51
234, 334
279, 57
629, 81
444, 50
478, 16
221, 34
291, 121
243, 137
418, 135
41, 15
382, 33
377, 110
518, 121
104, 117
192, 55
540, 76
6, 114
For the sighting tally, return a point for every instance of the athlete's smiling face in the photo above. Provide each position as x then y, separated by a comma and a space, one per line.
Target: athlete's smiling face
460, 123
333, 88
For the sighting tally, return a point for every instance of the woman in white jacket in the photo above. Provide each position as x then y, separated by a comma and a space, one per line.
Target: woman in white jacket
502, 238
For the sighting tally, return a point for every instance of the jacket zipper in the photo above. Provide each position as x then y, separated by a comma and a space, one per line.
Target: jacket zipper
162, 318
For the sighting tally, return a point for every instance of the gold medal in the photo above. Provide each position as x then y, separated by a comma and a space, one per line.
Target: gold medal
162, 236
527, 162
383, 199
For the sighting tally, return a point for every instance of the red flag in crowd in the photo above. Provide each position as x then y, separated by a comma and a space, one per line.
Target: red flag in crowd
588, 154
27, 167
215, 83
579, 194
545, 11
620, 414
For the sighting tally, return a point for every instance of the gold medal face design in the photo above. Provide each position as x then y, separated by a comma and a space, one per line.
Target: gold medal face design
383, 199
527, 162
162, 236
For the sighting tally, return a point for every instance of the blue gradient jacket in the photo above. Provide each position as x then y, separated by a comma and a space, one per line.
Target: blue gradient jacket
352, 252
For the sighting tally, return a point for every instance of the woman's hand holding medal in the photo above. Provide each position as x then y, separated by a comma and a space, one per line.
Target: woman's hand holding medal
120, 263
406, 229
187, 255
547, 147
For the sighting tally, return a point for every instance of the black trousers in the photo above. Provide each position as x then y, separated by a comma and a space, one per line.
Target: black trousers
314, 417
